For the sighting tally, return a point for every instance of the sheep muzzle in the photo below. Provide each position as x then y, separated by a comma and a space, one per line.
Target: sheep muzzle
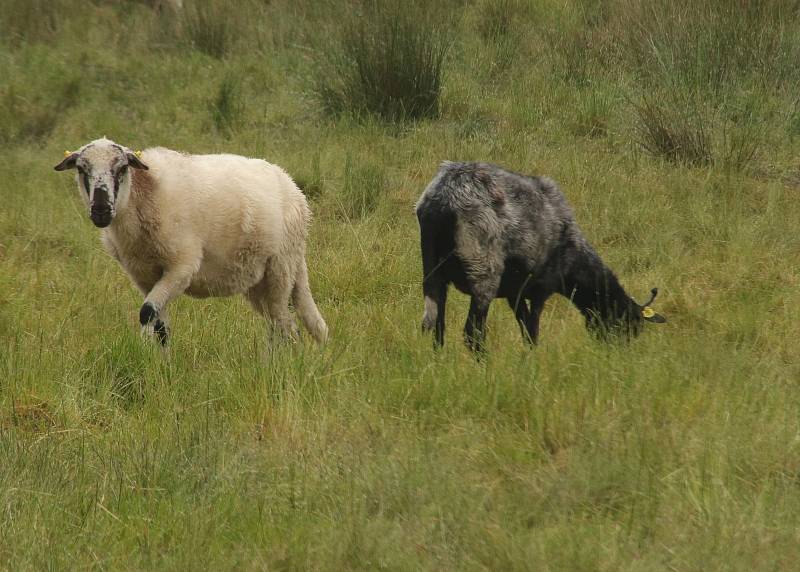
100, 210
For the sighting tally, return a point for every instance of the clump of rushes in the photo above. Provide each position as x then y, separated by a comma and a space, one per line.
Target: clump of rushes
675, 135
227, 107
388, 62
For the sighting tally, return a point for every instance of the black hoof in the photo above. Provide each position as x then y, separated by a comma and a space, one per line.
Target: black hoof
147, 313
161, 331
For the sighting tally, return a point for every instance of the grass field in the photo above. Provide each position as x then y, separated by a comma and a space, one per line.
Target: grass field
674, 130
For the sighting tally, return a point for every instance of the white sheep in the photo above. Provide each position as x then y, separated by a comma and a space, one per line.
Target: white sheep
206, 225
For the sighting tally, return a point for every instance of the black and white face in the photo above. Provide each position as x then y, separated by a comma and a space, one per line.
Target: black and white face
103, 177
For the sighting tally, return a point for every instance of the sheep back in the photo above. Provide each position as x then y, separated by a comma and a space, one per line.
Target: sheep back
226, 214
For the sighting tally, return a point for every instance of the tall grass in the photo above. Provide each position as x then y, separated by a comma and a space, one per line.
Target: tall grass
209, 26
388, 63
677, 450
685, 132
362, 188
678, 135
227, 106
31, 21
27, 115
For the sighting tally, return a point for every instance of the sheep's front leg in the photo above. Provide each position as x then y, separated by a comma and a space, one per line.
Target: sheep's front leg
475, 328
484, 291
172, 283
519, 306
528, 319
532, 323
485, 282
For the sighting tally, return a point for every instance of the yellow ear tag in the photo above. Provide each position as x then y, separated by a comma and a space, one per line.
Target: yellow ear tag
138, 153
67, 153
648, 312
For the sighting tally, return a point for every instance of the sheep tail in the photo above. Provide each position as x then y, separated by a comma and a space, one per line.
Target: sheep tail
306, 308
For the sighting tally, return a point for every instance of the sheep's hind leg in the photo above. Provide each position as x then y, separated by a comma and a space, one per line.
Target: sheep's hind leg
435, 291
532, 323
528, 318
519, 306
270, 298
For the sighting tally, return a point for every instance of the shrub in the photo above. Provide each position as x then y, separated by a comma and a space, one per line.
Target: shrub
389, 62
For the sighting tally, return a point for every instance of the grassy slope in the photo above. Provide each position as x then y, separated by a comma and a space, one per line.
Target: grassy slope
679, 451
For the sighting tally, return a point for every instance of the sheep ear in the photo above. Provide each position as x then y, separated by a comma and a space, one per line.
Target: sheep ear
70, 159
134, 161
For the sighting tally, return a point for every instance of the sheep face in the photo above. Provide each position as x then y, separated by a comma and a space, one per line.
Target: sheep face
103, 177
626, 321
616, 323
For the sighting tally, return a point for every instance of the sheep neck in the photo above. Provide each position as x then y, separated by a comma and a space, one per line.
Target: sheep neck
595, 290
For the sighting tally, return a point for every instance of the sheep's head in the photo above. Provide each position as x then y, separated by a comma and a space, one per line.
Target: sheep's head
647, 313
103, 177
623, 319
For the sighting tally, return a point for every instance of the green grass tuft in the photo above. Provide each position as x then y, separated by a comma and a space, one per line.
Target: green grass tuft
227, 106
363, 186
389, 63
678, 135
209, 26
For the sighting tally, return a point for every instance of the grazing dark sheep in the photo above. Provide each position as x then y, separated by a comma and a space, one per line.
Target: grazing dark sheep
498, 234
